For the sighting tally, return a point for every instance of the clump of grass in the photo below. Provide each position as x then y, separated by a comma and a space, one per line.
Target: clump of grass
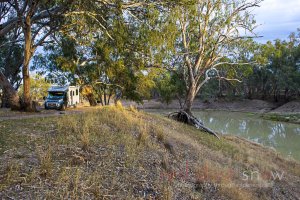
165, 163
119, 105
46, 163
11, 175
167, 193
85, 126
133, 109
74, 128
143, 135
159, 132
85, 140
236, 193
67, 125
68, 129
71, 182
74, 183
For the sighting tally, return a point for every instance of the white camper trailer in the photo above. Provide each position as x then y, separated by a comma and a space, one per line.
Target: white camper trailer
61, 97
73, 96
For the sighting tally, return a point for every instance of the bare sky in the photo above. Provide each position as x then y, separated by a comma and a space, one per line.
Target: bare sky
278, 18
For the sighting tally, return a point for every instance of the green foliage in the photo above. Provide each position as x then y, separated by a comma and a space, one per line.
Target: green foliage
38, 87
117, 51
275, 75
111, 62
278, 73
169, 86
11, 58
201, 35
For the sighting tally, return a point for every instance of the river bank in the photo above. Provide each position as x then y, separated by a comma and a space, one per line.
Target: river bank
289, 112
282, 136
245, 105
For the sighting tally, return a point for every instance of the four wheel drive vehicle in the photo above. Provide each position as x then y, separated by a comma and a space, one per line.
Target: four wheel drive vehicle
61, 97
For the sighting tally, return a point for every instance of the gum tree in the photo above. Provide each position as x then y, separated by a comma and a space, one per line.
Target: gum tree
38, 21
107, 63
207, 36
32, 22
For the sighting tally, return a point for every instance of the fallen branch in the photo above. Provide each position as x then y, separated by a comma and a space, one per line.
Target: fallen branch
186, 118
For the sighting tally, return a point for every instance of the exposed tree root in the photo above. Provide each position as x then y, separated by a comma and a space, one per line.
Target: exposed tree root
186, 118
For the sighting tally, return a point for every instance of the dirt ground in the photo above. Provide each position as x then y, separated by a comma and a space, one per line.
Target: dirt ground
290, 107
7, 114
254, 106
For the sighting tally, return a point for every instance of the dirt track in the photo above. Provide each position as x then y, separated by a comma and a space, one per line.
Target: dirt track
255, 106
7, 114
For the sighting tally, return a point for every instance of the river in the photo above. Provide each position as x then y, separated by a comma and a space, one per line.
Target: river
284, 137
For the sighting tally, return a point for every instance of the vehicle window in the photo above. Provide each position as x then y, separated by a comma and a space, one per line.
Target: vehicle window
55, 95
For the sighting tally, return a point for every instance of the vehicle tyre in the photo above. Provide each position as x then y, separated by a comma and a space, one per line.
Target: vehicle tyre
63, 107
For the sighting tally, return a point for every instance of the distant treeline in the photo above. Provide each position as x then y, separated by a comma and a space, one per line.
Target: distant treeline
273, 74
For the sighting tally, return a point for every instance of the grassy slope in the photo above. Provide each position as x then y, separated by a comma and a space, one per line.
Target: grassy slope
115, 153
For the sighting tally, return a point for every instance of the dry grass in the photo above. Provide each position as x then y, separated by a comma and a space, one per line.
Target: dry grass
46, 165
10, 172
121, 153
213, 176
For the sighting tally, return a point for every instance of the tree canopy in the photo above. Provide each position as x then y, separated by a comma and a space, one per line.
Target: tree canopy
135, 49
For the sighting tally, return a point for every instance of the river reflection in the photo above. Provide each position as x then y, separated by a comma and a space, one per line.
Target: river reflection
284, 137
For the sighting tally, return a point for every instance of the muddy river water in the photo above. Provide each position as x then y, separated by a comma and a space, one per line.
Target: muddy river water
284, 137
